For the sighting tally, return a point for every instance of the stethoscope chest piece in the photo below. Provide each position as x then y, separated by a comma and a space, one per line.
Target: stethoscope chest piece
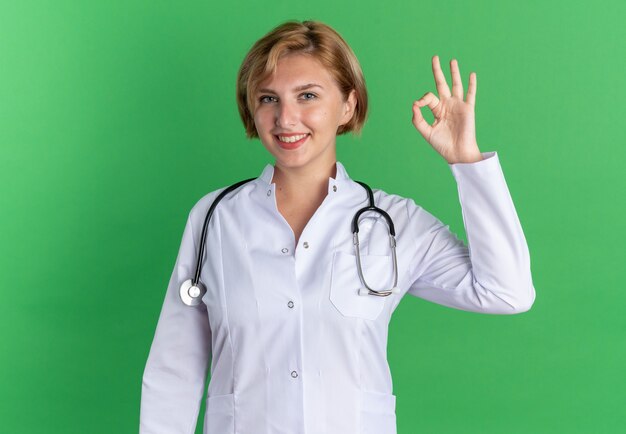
191, 294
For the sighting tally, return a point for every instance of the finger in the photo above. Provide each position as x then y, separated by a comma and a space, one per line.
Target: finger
440, 80
429, 99
419, 122
471, 89
457, 84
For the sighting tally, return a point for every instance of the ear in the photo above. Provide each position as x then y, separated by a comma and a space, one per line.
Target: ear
349, 106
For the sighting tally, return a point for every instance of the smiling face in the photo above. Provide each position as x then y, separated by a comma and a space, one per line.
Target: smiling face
302, 105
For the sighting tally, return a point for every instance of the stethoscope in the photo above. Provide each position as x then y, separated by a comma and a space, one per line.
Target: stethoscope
192, 290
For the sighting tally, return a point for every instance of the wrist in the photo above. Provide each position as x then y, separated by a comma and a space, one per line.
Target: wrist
472, 158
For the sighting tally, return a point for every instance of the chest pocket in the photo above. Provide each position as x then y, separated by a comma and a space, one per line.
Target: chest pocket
345, 284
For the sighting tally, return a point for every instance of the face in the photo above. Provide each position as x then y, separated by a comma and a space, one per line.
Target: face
298, 111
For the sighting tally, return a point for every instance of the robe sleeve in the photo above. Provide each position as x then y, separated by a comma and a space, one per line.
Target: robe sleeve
492, 273
175, 373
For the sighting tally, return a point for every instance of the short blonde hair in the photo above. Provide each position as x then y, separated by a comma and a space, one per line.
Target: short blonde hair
313, 38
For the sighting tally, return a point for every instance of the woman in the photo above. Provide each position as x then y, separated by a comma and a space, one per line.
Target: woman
295, 339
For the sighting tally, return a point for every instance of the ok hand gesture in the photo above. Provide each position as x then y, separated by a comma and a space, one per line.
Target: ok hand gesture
453, 133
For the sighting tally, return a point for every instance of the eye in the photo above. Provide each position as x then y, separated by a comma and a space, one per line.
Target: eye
263, 100
309, 93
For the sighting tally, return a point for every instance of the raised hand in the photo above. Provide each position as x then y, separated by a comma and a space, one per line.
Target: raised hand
453, 133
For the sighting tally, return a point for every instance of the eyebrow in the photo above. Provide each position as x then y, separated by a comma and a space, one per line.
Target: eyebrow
295, 89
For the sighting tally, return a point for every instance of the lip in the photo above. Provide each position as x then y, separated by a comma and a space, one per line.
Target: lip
290, 146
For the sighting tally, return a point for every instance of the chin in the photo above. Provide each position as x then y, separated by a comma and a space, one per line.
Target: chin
291, 163
290, 158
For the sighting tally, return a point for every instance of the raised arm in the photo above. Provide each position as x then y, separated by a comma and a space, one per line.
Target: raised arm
492, 275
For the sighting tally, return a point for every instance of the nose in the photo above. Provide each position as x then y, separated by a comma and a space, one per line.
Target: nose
286, 114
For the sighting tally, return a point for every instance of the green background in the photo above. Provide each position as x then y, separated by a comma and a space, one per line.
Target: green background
117, 116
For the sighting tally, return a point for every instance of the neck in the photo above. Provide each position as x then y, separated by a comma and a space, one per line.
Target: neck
304, 182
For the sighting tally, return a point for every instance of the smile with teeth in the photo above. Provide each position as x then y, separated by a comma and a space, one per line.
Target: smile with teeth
291, 139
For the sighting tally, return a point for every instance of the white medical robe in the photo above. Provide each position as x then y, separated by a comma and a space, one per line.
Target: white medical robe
291, 346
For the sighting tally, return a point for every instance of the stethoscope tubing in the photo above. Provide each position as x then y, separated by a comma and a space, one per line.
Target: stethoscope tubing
205, 227
392, 244
192, 290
